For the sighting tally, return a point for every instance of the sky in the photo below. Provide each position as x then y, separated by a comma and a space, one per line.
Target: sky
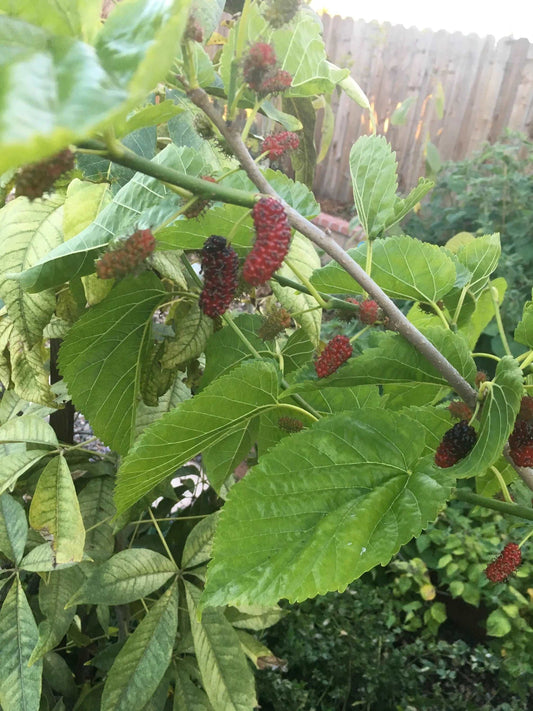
500, 18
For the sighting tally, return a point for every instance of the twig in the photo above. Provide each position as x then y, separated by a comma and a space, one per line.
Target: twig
397, 319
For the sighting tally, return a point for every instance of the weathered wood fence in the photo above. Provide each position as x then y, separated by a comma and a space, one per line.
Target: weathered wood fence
487, 87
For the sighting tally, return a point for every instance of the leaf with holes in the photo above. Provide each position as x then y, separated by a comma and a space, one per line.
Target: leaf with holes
209, 417
322, 508
102, 354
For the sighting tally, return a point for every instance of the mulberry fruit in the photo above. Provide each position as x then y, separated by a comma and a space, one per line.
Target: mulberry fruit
200, 204
505, 564
257, 64
279, 12
38, 178
276, 322
279, 143
275, 83
336, 352
459, 410
526, 408
521, 443
368, 312
220, 267
480, 378
125, 260
273, 235
290, 424
456, 443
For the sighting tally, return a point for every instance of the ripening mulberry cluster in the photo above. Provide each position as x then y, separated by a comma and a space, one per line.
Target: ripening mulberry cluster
279, 143
521, 443
279, 12
290, 424
197, 207
273, 235
220, 267
526, 408
38, 178
369, 312
276, 322
460, 410
456, 443
336, 352
260, 70
505, 564
125, 260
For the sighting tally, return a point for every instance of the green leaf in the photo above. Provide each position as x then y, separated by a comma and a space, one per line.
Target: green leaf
71, 18
303, 159
83, 203
77, 89
97, 510
353, 489
255, 617
483, 312
42, 559
500, 407
188, 696
148, 415
480, 256
127, 576
150, 115
226, 676
28, 231
288, 121
101, 357
59, 676
194, 425
327, 128
30, 378
404, 205
143, 660
197, 548
403, 267
11, 405
399, 115
524, 330
297, 351
20, 684
29, 429
333, 400
304, 258
225, 350
498, 624
13, 528
352, 89
192, 332
53, 596
16, 464
55, 512
221, 459
392, 359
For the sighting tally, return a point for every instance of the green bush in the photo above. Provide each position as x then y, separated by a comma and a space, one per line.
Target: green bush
413, 635
490, 192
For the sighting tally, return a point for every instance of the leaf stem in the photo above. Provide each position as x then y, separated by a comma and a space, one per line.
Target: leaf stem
161, 537
503, 485
497, 314
311, 289
501, 506
360, 333
486, 355
300, 410
525, 538
439, 313
460, 304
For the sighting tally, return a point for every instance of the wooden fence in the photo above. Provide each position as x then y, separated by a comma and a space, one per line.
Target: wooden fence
486, 86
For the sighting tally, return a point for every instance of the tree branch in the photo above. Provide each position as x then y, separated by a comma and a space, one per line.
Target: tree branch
397, 319
500, 506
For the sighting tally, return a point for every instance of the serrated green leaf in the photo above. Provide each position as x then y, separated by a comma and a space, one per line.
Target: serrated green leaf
403, 267
353, 489
143, 201
194, 425
20, 685
332, 400
303, 256
28, 231
84, 201
192, 333
498, 624
480, 256
225, 350
297, 351
150, 115
392, 359
168, 265
15, 464
197, 548
226, 676
221, 459
30, 429
97, 510
127, 576
188, 696
500, 407
55, 512
524, 330
53, 596
100, 359
255, 617
483, 312
404, 205
146, 415
72, 18
133, 50
13, 528
143, 660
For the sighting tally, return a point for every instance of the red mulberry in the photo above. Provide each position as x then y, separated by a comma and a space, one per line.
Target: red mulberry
526, 408
368, 312
521, 443
279, 143
505, 564
275, 83
38, 178
125, 260
456, 443
220, 267
336, 352
459, 410
258, 62
273, 235
276, 322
